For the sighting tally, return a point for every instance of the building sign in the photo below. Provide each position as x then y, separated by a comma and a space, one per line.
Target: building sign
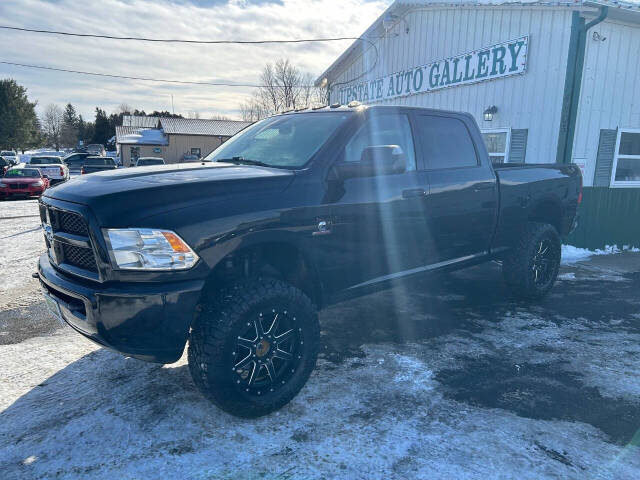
497, 61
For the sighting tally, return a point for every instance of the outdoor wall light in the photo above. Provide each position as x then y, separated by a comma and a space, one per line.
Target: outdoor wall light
598, 37
389, 20
490, 112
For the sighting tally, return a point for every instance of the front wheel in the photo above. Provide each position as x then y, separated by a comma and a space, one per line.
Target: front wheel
253, 347
531, 268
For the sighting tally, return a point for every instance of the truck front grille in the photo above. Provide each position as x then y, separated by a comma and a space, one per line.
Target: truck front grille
69, 222
79, 256
68, 252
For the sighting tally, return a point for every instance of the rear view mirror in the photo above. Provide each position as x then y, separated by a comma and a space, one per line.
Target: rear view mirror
375, 160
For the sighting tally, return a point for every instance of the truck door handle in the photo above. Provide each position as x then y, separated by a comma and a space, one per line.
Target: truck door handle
413, 192
483, 186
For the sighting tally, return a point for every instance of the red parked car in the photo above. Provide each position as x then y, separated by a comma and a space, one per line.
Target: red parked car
23, 182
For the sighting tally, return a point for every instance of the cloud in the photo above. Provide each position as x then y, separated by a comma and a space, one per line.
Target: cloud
201, 19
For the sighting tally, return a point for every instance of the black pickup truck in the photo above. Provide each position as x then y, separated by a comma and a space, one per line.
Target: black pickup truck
97, 164
237, 253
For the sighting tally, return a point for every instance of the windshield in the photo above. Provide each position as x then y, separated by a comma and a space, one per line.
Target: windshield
23, 172
45, 161
99, 161
286, 141
7, 153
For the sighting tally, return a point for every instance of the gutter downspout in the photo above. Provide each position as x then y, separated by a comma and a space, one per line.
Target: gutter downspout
573, 82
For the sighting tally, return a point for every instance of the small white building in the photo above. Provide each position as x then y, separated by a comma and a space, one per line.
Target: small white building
547, 81
170, 138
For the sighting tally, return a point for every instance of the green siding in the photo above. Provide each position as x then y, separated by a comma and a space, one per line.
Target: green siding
608, 216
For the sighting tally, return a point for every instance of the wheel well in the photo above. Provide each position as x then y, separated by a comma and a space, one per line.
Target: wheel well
548, 212
272, 259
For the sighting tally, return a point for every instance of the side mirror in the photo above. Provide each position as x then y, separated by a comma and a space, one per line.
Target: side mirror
46, 176
374, 161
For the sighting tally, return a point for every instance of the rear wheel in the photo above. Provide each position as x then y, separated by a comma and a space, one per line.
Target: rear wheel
253, 347
531, 268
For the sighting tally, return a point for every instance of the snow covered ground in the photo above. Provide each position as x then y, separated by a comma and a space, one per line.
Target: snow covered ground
444, 379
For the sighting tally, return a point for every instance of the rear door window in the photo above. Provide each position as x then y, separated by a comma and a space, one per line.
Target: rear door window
445, 142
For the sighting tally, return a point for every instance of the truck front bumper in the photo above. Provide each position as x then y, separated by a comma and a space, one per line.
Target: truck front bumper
141, 320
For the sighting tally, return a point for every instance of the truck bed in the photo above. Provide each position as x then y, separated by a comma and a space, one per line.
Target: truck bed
534, 190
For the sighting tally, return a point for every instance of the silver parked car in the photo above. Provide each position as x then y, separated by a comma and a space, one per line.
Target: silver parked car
97, 149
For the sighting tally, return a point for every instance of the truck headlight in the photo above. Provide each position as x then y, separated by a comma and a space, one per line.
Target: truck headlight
149, 249
38, 183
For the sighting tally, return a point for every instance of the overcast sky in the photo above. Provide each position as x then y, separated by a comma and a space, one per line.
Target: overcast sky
190, 19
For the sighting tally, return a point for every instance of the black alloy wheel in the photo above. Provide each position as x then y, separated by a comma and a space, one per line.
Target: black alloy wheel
267, 353
542, 264
531, 267
253, 346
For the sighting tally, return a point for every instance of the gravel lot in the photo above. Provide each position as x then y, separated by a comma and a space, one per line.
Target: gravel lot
443, 379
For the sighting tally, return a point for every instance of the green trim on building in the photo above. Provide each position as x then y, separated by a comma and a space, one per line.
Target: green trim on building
607, 216
573, 83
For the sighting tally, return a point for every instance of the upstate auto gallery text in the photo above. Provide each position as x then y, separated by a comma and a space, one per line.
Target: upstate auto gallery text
501, 60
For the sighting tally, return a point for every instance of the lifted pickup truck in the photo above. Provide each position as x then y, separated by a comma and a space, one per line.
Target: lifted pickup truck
236, 254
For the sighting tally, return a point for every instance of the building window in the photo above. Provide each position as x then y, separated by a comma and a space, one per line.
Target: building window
626, 162
195, 151
135, 154
497, 142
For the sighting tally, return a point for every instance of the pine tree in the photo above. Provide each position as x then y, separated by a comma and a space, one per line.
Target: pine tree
102, 128
18, 120
69, 126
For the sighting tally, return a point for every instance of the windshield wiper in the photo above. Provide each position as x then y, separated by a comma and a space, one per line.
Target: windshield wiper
243, 161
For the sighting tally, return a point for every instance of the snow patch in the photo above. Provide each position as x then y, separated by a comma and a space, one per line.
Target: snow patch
571, 254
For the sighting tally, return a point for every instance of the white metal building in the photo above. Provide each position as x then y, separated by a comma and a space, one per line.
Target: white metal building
546, 81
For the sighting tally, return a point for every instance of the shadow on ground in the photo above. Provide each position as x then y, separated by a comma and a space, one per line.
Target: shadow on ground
462, 304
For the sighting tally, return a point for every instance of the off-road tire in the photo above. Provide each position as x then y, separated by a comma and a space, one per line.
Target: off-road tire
214, 334
518, 265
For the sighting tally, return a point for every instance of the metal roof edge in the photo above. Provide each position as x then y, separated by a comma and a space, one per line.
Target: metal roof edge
401, 7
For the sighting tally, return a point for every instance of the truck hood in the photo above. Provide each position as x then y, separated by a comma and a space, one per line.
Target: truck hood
117, 196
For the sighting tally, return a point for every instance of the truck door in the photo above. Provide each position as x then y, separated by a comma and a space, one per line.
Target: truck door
462, 201
377, 222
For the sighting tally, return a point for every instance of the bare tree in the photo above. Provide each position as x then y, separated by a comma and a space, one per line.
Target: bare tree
52, 121
255, 108
193, 114
124, 108
289, 82
284, 87
219, 116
